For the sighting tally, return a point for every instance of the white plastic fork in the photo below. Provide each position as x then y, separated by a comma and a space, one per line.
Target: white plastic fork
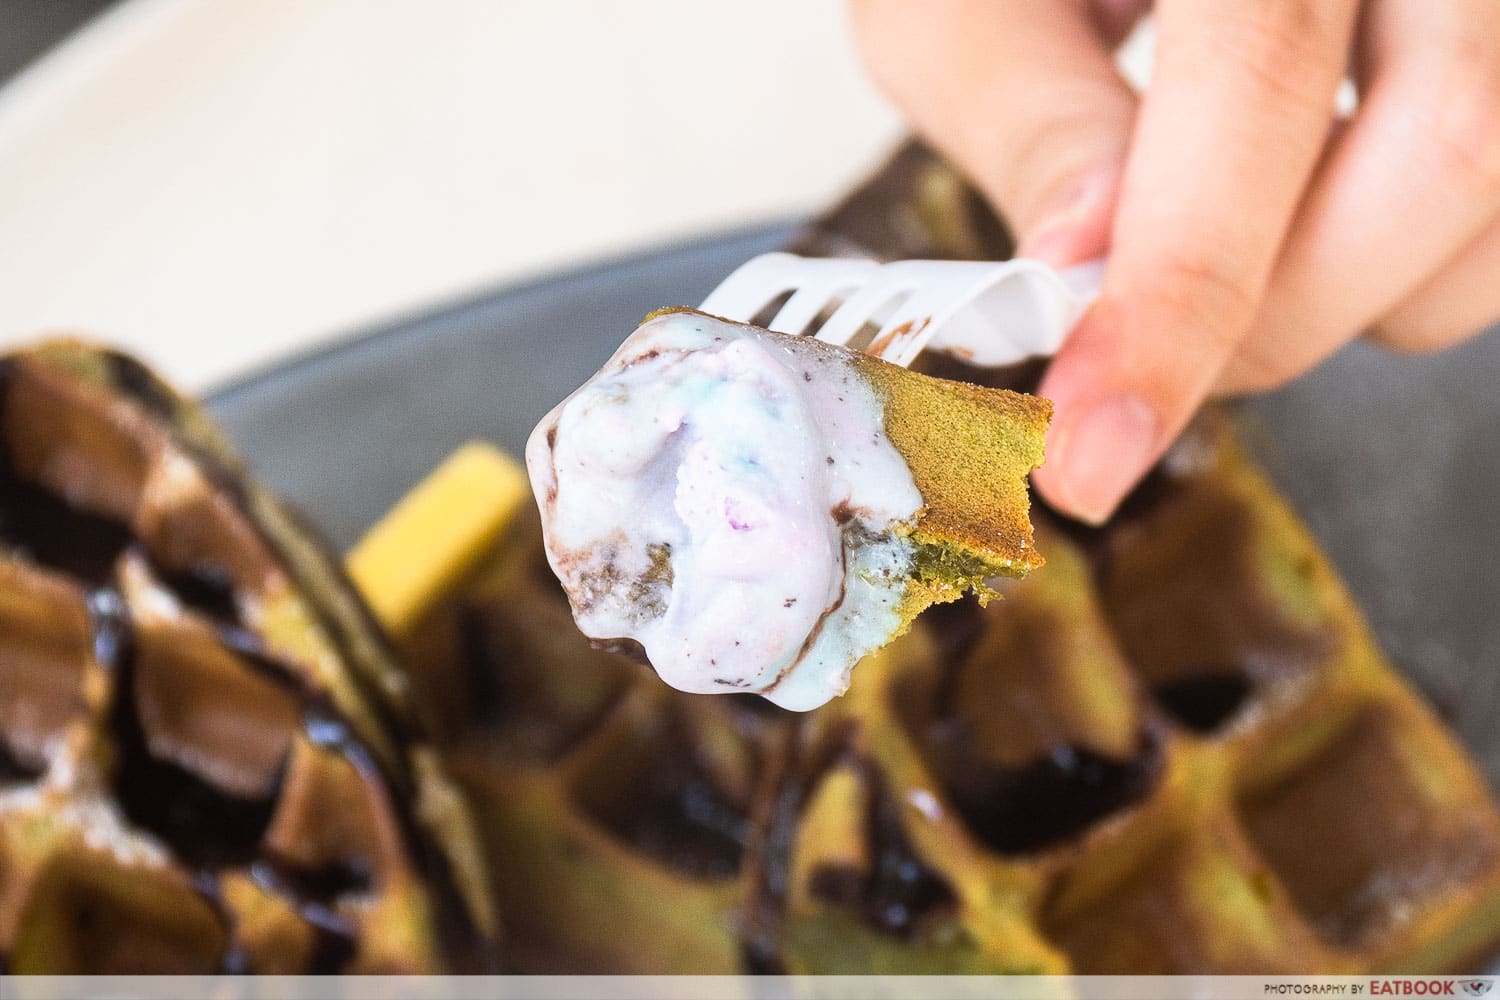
984, 312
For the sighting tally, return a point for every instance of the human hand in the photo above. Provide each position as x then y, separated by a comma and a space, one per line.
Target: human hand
1250, 232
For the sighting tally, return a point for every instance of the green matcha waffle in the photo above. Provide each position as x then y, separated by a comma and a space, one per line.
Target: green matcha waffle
1176, 748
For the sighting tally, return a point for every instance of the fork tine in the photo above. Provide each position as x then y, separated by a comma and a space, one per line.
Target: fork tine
862, 306
758, 281
751, 286
938, 292
823, 285
997, 313
994, 312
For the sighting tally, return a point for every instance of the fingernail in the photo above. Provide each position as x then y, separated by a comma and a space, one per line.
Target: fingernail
1067, 223
1104, 452
1057, 245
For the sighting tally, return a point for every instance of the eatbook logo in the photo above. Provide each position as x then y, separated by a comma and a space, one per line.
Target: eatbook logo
1430, 987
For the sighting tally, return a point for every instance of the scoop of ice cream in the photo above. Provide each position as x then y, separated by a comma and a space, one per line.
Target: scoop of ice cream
728, 498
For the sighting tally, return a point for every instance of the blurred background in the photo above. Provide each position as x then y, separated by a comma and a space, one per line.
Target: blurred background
216, 185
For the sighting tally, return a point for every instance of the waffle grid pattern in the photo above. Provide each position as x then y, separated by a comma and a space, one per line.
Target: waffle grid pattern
192, 778
1176, 749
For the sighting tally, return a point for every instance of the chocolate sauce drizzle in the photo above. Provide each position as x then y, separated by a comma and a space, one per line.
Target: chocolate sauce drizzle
675, 812
1204, 703
771, 846
206, 828
316, 569
209, 829
13, 770
206, 588
481, 671
900, 894
1053, 798
40, 527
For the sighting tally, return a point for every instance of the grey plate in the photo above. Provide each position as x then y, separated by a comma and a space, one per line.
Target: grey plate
1395, 463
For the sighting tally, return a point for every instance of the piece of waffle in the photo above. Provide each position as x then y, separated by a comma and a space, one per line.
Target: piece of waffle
630, 802
207, 762
1174, 749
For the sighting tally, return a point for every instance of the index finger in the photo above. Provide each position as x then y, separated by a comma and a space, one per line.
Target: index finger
1239, 105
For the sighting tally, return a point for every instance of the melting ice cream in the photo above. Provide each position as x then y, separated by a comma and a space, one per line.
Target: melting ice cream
728, 498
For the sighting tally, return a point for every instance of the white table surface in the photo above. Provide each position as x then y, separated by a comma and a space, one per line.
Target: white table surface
215, 184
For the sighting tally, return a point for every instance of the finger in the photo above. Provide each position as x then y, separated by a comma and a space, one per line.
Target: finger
1414, 177
1459, 301
1023, 96
1241, 98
